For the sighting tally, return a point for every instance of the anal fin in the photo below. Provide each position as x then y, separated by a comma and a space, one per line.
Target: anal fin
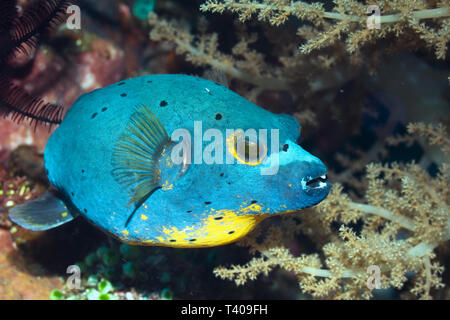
43, 213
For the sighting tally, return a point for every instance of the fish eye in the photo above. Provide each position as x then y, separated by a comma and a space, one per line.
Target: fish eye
246, 150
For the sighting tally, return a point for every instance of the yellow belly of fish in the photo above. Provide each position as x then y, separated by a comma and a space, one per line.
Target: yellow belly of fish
222, 227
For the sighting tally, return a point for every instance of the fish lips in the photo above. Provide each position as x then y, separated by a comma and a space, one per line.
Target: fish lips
316, 185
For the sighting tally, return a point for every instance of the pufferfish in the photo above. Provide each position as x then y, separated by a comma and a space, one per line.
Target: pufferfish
111, 161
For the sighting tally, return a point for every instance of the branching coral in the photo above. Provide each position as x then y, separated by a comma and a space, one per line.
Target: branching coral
266, 56
349, 17
246, 64
203, 51
405, 219
281, 67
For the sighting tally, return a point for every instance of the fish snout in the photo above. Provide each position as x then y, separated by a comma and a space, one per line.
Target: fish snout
307, 173
314, 181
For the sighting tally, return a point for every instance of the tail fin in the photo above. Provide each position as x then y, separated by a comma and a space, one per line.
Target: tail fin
43, 213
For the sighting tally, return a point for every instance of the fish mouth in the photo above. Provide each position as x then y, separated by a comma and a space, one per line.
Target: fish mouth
316, 185
318, 182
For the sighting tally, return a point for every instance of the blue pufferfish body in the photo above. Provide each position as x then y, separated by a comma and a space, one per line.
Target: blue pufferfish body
110, 161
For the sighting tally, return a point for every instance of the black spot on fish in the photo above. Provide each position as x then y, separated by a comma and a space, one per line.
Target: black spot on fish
82, 171
218, 116
121, 84
104, 109
163, 103
189, 211
123, 95
229, 182
218, 218
285, 147
192, 240
253, 202
94, 115
221, 174
207, 202
173, 240
231, 232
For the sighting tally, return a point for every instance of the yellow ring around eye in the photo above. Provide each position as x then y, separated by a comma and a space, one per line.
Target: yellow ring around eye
231, 146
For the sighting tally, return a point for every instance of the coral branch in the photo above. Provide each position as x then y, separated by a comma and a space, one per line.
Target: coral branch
418, 15
386, 214
304, 11
393, 203
349, 17
202, 51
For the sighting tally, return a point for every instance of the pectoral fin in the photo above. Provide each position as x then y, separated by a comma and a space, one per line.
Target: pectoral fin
136, 154
43, 213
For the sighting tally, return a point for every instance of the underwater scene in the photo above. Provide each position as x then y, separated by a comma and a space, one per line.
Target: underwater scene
224, 149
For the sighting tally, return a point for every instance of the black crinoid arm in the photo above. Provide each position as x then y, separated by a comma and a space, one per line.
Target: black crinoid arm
17, 103
20, 34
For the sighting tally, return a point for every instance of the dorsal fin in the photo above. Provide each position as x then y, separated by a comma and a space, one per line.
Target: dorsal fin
135, 155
